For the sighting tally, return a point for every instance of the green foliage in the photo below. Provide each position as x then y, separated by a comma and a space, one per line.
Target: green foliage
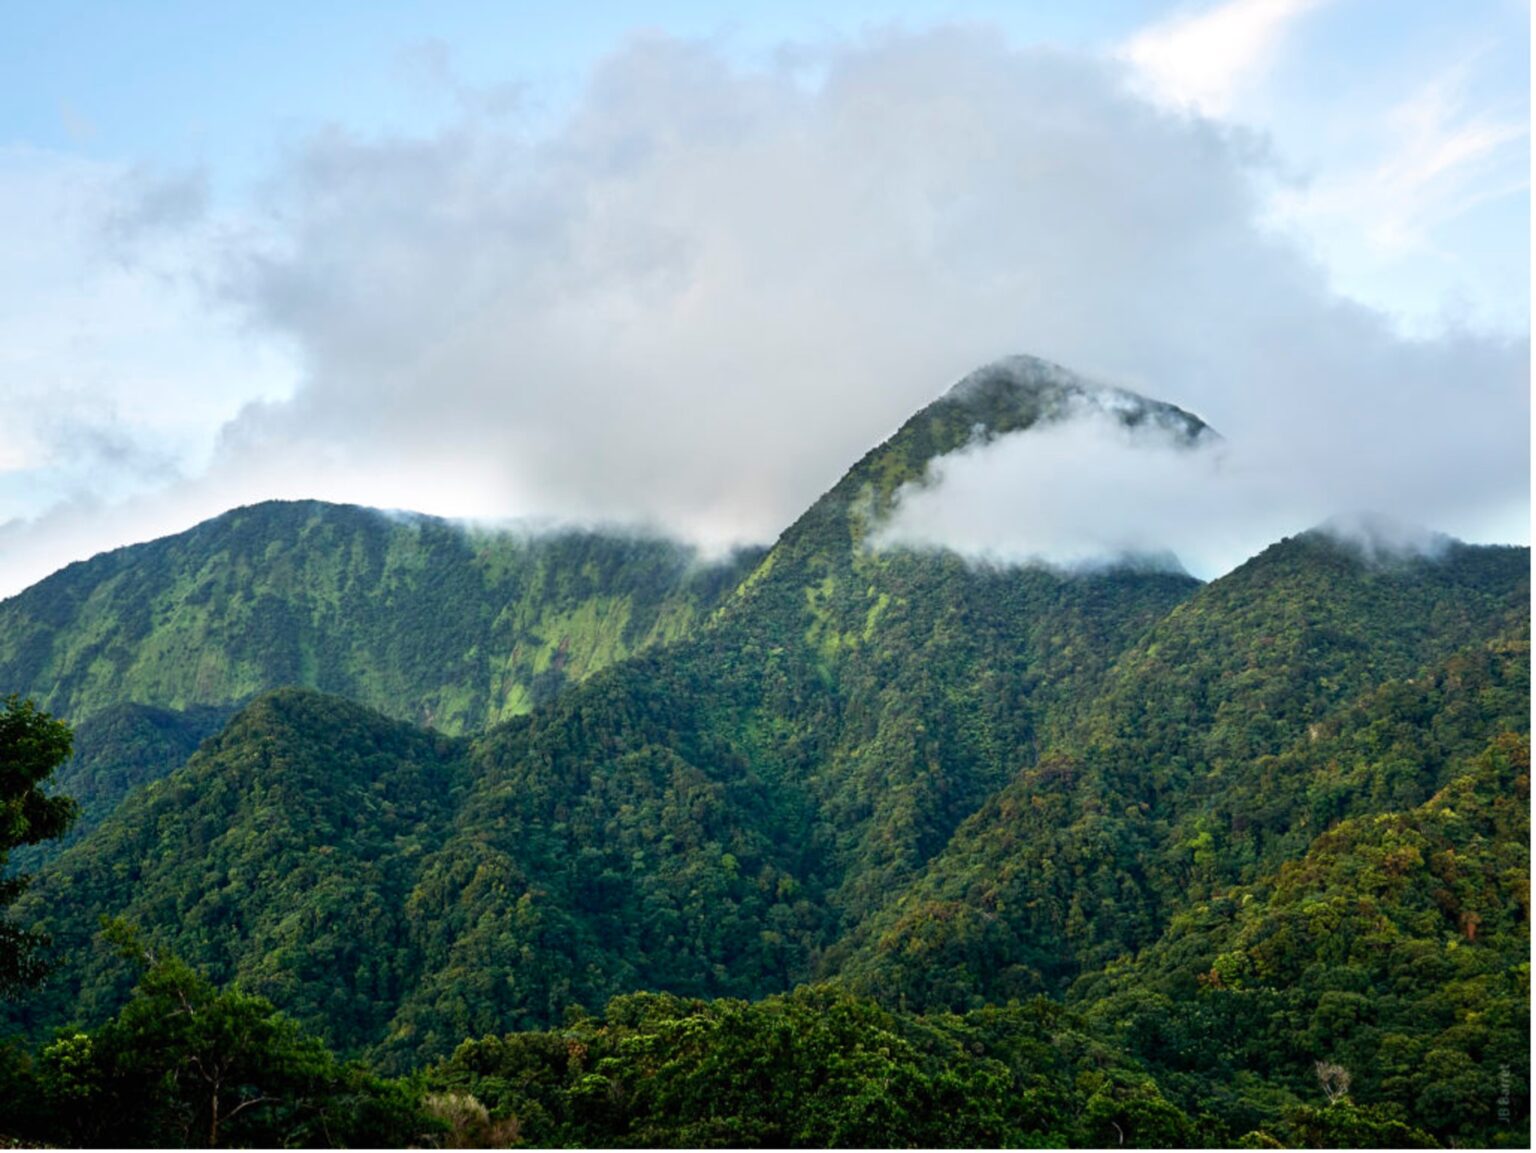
1397, 948
1206, 758
415, 616
702, 820
727, 819
32, 745
282, 854
116, 751
814, 1068
186, 1065
1346, 1126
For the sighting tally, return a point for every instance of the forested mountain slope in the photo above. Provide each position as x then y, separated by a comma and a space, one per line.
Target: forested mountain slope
686, 823
712, 816
401, 891
418, 617
926, 681
1191, 769
1397, 947
283, 852
117, 750
1386, 966
676, 822
941, 786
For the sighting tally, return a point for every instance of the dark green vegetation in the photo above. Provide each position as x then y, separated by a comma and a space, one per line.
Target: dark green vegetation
32, 744
909, 851
116, 751
817, 1067
186, 1065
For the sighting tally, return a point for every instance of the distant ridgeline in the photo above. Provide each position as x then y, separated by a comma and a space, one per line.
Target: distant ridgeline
1201, 838
418, 617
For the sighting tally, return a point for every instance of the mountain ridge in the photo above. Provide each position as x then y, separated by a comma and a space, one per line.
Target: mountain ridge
304, 592
935, 785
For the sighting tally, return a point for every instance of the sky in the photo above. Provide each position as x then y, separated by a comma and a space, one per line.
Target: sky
652, 265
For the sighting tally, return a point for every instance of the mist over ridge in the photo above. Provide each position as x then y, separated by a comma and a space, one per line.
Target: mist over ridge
704, 291
1108, 477
1092, 476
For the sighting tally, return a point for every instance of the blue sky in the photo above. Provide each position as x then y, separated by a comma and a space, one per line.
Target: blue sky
228, 82
181, 182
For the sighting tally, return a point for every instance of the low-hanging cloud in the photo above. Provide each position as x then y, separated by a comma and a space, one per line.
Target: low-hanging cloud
1074, 492
712, 288
1087, 489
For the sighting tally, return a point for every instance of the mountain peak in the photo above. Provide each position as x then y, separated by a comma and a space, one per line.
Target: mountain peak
1019, 390
1020, 370
1379, 537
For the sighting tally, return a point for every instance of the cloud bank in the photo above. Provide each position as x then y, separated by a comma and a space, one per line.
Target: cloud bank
713, 288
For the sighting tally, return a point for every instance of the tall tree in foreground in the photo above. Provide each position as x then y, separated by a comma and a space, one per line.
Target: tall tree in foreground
187, 1064
32, 745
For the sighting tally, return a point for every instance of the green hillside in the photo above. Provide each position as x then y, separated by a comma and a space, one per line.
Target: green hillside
1397, 947
1194, 767
661, 826
282, 852
718, 828
118, 750
1393, 952
420, 618
398, 891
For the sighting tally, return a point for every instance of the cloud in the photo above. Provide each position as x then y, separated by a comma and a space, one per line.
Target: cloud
699, 299
1202, 59
150, 203
1072, 491
1088, 489
1381, 539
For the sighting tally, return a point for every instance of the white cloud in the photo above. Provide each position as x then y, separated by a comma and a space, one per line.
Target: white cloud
1073, 492
1372, 462
1201, 59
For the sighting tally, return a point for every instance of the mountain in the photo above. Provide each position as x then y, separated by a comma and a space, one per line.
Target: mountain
647, 829
1168, 788
1153, 812
1393, 953
809, 748
284, 851
423, 619
460, 627
399, 890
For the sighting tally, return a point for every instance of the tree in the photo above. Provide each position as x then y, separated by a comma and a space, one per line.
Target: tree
1334, 1079
32, 745
210, 1057
186, 1064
